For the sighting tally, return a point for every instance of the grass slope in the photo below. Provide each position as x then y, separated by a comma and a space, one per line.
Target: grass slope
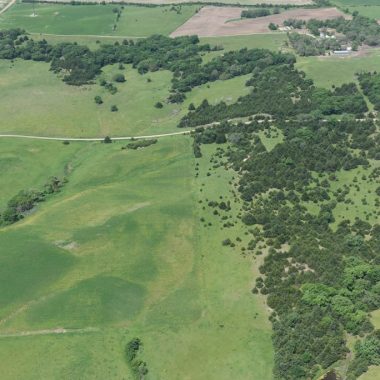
68, 19
121, 250
35, 101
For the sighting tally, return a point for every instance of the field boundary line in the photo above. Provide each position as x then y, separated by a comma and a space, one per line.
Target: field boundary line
82, 35
12, 2
59, 330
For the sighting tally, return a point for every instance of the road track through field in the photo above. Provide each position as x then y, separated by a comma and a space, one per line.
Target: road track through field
59, 330
95, 138
186, 132
12, 2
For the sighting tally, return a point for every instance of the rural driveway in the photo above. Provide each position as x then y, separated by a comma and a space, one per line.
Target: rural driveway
7, 6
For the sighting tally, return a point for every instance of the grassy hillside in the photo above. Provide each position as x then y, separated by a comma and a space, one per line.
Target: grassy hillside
96, 19
36, 101
79, 261
327, 71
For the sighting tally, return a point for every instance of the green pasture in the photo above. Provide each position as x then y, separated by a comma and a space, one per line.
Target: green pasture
372, 374
272, 41
367, 10
135, 21
36, 101
119, 253
355, 2
330, 70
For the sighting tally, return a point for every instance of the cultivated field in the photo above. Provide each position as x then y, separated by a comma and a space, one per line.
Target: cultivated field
79, 262
98, 20
215, 21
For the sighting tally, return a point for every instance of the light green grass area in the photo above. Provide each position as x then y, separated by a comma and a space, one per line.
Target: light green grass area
271, 139
372, 374
367, 10
272, 41
362, 196
375, 318
355, 2
36, 101
328, 71
96, 19
121, 250
365, 210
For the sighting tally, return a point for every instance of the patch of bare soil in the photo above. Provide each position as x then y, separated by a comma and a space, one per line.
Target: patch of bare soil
213, 21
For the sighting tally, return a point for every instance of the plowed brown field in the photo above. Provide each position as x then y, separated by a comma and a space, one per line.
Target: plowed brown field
214, 21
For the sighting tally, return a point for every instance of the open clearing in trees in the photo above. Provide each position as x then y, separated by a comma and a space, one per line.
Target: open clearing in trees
214, 21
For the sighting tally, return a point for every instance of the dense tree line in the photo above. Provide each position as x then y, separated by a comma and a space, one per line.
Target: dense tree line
370, 84
306, 45
355, 32
259, 12
23, 202
140, 144
326, 282
182, 56
281, 91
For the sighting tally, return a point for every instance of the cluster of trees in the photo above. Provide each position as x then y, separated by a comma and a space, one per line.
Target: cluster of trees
26, 200
306, 45
80, 65
140, 144
281, 91
357, 31
370, 84
138, 367
325, 284
259, 12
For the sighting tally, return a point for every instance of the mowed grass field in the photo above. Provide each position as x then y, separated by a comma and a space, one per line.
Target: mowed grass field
135, 21
120, 253
36, 101
328, 71
368, 8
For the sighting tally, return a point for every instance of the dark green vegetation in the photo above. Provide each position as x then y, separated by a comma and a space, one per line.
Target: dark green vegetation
140, 144
138, 367
260, 12
321, 282
26, 200
356, 32
370, 84
307, 46
281, 91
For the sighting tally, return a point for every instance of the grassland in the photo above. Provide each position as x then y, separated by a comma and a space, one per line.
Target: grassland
368, 8
258, 41
328, 71
80, 261
35, 101
135, 21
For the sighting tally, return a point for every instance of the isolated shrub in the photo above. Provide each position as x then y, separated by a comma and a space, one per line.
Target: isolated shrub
120, 78
114, 108
107, 140
158, 105
98, 99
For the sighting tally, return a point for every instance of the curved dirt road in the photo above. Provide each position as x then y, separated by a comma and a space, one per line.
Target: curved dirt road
94, 138
7, 6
